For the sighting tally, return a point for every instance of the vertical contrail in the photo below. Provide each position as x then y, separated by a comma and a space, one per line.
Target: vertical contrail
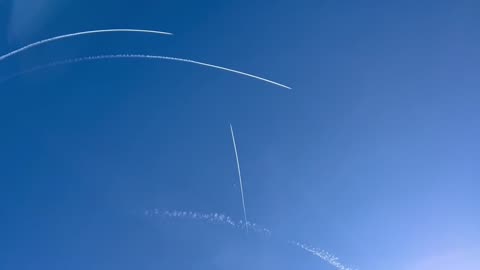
239, 177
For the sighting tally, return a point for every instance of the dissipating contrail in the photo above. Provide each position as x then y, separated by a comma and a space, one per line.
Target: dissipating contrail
239, 176
218, 218
214, 218
48, 40
322, 254
139, 56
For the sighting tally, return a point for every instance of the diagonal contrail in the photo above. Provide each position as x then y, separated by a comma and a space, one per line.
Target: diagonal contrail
139, 56
239, 177
31, 45
322, 254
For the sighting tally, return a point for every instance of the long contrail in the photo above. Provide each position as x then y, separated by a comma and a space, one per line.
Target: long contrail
218, 218
239, 177
29, 46
142, 56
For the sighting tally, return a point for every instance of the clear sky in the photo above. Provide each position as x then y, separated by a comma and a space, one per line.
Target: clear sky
373, 156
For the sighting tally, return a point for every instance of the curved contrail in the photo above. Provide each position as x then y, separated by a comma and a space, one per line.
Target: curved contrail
142, 56
239, 177
24, 48
218, 218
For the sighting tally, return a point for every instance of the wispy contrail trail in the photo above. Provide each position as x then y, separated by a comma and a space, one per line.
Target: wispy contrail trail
216, 218
29, 46
239, 176
324, 255
142, 56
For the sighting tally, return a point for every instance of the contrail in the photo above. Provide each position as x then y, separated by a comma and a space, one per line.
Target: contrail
141, 56
217, 218
239, 176
322, 254
29, 46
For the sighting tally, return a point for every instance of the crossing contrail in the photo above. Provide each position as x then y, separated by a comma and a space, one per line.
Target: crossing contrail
29, 46
140, 56
239, 177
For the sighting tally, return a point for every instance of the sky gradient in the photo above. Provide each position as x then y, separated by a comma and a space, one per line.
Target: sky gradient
373, 156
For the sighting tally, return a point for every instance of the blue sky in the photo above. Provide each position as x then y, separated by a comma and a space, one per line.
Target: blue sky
372, 157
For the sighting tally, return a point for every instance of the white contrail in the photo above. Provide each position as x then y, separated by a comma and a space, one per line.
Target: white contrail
142, 56
322, 254
29, 46
215, 218
239, 176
